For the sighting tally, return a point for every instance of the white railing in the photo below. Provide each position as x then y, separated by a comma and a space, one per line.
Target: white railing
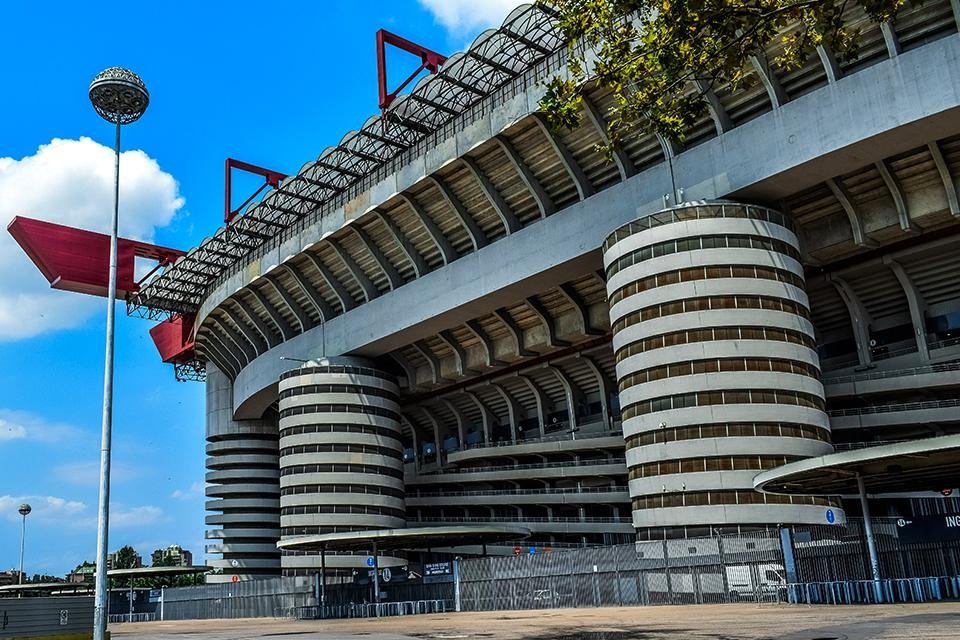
893, 408
894, 373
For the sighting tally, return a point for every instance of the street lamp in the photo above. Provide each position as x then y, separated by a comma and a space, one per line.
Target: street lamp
24, 511
118, 96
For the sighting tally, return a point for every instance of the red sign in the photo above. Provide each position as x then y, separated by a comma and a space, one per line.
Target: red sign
516, 551
235, 579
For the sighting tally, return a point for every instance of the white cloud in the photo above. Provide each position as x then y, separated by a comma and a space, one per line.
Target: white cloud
11, 431
45, 508
196, 490
71, 182
135, 516
462, 16
29, 427
87, 473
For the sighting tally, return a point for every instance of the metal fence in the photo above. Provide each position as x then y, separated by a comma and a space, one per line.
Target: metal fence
271, 597
826, 553
832, 567
697, 570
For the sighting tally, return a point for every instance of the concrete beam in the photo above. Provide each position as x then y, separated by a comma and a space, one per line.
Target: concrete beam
624, 164
369, 289
853, 216
605, 385
507, 218
547, 321
477, 236
570, 392
487, 417
718, 113
778, 97
540, 398
343, 295
386, 267
459, 417
859, 318
302, 317
896, 193
830, 65
250, 335
269, 336
447, 252
286, 331
226, 361
574, 170
540, 195
408, 370
515, 333
459, 356
239, 344
424, 350
321, 305
916, 304
581, 308
513, 409
949, 186
890, 39
416, 260
485, 342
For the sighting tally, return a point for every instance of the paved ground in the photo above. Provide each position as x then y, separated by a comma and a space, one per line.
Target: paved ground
707, 622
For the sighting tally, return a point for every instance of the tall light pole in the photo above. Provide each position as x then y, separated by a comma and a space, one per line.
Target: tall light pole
24, 511
120, 97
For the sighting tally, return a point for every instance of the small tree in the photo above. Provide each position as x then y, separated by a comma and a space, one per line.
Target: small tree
126, 558
660, 57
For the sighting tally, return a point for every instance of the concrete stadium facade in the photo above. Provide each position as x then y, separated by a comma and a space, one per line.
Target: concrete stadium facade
479, 274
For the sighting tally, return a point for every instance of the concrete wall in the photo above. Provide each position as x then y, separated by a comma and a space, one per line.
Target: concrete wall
60, 616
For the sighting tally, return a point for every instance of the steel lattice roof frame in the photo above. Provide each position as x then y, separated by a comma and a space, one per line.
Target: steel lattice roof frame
526, 37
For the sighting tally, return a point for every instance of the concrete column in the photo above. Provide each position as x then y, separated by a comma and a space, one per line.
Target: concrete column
871, 542
916, 304
341, 456
711, 330
243, 488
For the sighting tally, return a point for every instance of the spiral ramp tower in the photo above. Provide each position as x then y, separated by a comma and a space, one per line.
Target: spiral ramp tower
717, 366
341, 463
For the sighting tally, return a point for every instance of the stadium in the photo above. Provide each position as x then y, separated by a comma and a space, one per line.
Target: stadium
459, 316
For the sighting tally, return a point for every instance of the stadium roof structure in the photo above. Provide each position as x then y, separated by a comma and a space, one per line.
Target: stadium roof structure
931, 464
528, 35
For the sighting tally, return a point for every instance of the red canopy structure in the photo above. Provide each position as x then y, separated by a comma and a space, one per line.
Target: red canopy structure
78, 260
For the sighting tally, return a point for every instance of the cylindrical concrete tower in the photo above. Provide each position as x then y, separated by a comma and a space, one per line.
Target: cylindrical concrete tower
341, 459
717, 367
243, 484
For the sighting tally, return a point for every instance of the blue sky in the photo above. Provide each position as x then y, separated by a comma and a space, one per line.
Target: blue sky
273, 87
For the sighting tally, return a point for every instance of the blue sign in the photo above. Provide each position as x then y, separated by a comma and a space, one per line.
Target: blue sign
831, 516
533, 551
371, 561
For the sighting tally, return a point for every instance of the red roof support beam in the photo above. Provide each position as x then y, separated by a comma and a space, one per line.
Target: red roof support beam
78, 260
174, 340
429, 60
272, 179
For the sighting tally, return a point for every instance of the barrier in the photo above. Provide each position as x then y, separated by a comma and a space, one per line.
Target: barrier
885, 591
114, 618
370, 610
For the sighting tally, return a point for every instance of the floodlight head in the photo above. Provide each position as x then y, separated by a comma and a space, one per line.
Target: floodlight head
25, 509
119, 95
